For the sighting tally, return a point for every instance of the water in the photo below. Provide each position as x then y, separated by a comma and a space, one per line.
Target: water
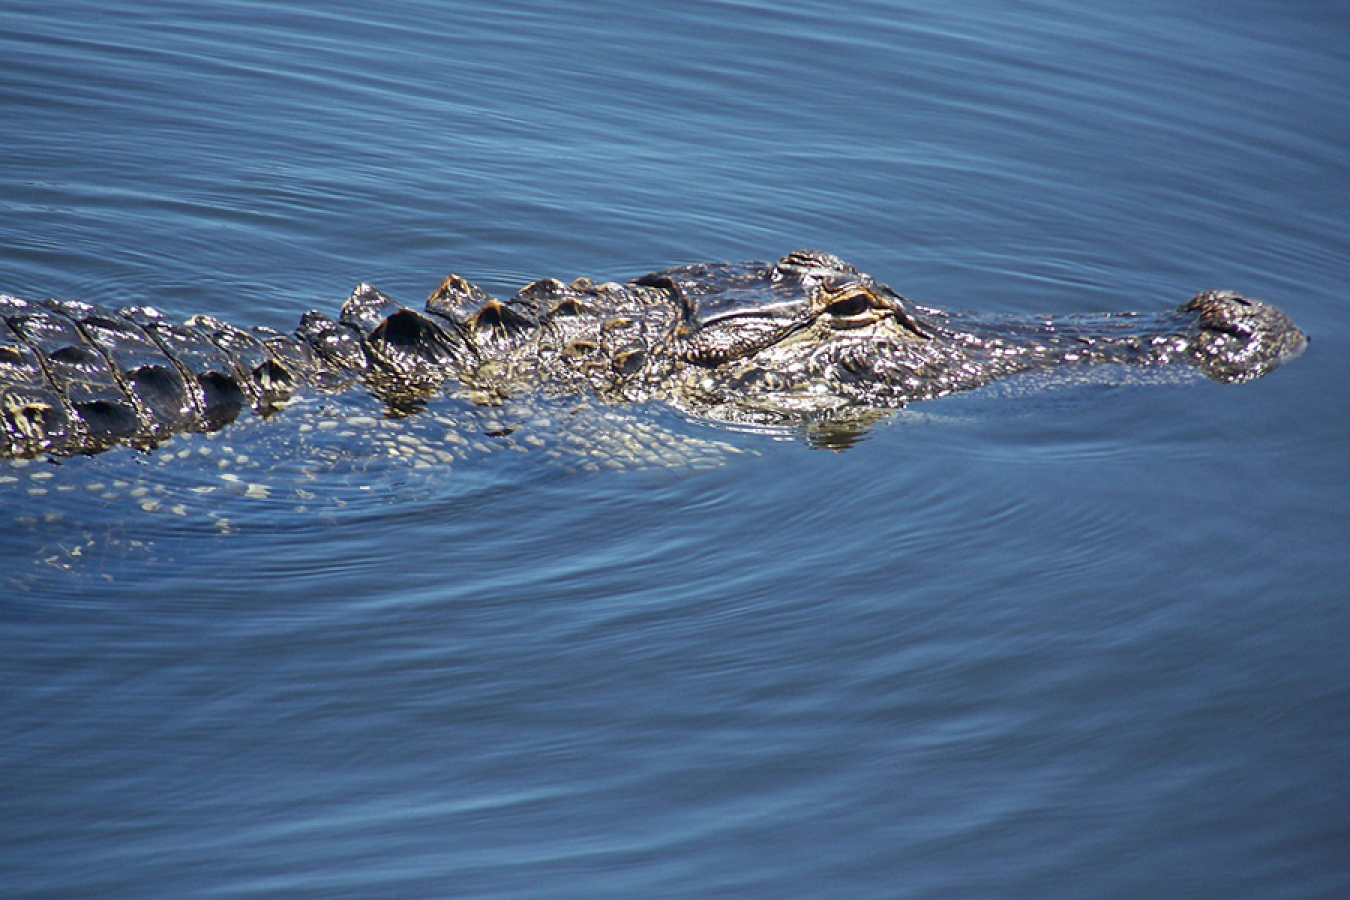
1080, 643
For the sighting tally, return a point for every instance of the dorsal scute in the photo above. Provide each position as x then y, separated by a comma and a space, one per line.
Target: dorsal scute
455, 298
41, 406
299, 362
165, 399
213, 377
366, 308
335, 343
266, 381
421, 347
416, 348
569, 308
549, 300
115, 378
535, 299
496, 324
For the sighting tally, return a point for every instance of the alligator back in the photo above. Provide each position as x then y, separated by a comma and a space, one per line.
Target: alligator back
79, 378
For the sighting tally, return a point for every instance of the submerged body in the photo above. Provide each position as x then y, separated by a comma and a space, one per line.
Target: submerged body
803, 340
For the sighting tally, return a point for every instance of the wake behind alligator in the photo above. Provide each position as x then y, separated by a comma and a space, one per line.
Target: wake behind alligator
805, 340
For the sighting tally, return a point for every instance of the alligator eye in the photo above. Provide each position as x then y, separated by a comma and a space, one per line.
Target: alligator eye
849, 307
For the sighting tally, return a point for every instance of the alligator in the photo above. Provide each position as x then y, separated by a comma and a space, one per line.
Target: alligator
808, 338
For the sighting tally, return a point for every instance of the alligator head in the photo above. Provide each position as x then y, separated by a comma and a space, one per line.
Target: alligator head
803, 338
811, 338
1240, 339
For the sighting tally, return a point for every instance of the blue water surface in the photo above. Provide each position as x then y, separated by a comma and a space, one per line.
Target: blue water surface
1088, 642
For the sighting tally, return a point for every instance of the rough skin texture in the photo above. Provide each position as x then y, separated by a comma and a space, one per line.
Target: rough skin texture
805, 340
